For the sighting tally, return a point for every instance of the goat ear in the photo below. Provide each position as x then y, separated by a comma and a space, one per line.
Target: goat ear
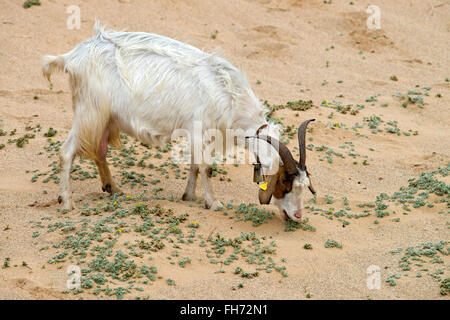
311, 188
266, 195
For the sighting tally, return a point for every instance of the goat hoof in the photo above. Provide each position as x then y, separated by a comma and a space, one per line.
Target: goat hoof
215, 205
68, 205
187, 197
107, 188
112, 189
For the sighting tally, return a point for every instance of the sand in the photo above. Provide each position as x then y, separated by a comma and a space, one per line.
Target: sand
287, 49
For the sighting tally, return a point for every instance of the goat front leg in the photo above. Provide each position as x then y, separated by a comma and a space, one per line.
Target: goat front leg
189, 193
210, 199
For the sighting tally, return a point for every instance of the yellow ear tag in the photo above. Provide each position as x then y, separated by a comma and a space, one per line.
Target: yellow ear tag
263, 186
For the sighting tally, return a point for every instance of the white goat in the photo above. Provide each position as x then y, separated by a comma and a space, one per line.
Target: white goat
148, 86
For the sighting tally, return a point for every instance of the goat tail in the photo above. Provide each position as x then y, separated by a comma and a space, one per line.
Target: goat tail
51, 64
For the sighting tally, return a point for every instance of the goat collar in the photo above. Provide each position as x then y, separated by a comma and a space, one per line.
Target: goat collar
260, 128
257, 177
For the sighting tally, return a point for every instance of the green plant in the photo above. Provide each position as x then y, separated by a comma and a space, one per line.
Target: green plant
27, 4
332, 244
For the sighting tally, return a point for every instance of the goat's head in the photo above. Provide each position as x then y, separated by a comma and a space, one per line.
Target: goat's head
288, 185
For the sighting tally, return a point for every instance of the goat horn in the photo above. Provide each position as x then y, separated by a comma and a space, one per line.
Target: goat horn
302, 144
286, 156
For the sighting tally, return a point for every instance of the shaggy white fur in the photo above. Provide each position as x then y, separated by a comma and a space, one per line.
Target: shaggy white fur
148, 86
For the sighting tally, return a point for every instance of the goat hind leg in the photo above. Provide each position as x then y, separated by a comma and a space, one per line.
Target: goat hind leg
108, 183
66, 157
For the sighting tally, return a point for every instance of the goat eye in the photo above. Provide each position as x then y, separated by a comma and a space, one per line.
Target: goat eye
287, 180
287, 185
